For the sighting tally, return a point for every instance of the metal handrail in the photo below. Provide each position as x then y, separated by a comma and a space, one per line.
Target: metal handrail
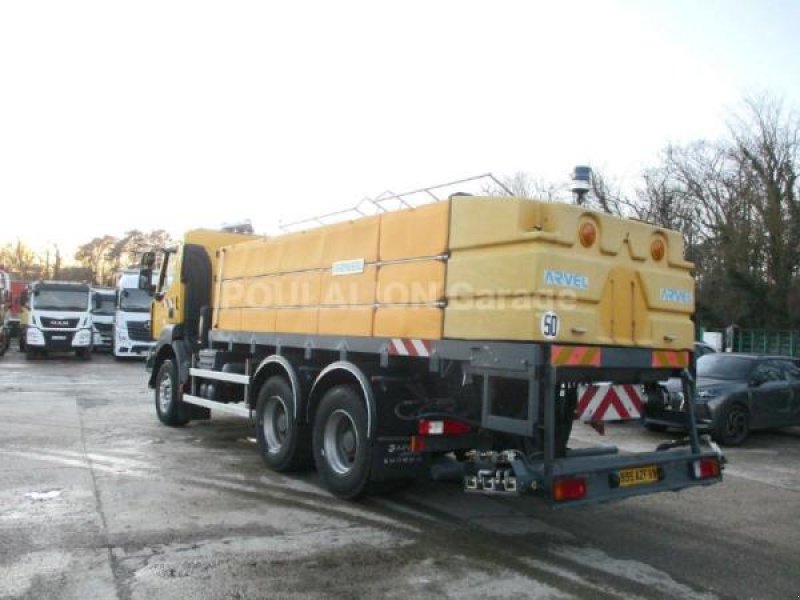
378, 203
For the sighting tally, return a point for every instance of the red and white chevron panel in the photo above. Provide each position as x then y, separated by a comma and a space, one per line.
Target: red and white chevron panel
609, 402
410, 347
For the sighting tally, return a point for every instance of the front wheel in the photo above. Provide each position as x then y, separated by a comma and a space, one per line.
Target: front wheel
341, 450
84, 354
285, 444
168, 404
733, 425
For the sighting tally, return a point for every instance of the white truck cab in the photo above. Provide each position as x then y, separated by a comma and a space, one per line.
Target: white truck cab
59, 319
103, 318
132, 319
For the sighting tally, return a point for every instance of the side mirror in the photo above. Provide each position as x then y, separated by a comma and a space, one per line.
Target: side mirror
146, 280
148, 261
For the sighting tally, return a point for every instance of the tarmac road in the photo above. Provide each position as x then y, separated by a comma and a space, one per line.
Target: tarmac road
98, 500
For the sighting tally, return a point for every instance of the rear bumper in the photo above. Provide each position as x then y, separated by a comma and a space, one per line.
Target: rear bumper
601, 474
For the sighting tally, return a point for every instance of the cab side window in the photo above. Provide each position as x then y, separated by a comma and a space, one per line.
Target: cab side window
768, 372
791, 369
168, 271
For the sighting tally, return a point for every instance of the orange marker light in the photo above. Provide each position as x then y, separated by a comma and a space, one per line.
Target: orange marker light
587, 234
657, 249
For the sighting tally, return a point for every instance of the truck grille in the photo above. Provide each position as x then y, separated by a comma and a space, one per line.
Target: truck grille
139, 331
103, 327
52, 323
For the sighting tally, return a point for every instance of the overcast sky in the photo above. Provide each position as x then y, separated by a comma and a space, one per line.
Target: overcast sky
121, 115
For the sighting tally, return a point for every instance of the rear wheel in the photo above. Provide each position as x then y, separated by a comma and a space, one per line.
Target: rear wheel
168, 404
341, 451
285, 444
733, 425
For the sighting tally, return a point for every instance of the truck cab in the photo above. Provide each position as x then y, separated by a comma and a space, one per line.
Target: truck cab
131, 336
103, 318
58, 319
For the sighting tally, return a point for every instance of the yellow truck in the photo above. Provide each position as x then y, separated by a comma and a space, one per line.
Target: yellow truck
454, 339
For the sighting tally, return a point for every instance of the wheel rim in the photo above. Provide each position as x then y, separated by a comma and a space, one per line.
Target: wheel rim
164, 393
736, 423
341, 442
276, 424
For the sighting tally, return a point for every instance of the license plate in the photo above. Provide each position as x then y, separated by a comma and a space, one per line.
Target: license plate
60, 338
638, 476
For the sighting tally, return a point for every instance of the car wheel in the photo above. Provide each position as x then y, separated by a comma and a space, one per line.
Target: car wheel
733, 425
284, 443
341, 451
168, 404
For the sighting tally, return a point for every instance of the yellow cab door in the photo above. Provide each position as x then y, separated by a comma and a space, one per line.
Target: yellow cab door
166, 308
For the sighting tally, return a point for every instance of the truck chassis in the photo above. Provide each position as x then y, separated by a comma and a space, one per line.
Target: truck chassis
504, 409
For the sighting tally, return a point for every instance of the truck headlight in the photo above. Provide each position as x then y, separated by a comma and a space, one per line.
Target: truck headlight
82, 338
34, 337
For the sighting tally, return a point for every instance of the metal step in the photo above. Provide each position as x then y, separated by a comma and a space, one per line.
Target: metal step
220, 376
240, 410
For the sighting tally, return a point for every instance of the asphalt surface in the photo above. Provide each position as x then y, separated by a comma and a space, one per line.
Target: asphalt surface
98, 500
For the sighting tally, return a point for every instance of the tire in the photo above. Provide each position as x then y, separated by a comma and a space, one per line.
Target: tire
84, 354
284, 444
341, 451
732, 425
30, 354
168, 405
655, 427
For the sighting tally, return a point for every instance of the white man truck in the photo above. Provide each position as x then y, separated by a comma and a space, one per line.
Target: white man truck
446, 340
132, 318
59, 319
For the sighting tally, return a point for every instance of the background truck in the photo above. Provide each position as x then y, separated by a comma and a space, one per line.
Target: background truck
58, 319
5, 311
18, 290
446, 340
103, 318
132, 320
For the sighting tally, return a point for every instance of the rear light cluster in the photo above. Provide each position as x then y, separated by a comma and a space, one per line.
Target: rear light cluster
706, 468
570, 488
443, 427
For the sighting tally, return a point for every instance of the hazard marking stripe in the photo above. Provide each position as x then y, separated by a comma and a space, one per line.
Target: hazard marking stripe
670, 358
575, 356
609, 402
404, 347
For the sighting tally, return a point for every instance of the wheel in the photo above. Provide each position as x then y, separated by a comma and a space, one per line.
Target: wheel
285, 444
84, 354
5, 342
733, 425
341, 450
168, 405
30, 353
655, 427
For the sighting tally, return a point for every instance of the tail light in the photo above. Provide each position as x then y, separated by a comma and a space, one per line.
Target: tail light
657, 249
443, 427
706, 468
571, 488
587, 234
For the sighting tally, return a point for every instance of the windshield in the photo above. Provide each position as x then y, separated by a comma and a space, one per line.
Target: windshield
134, 300
54, 299
720, 366
107, 305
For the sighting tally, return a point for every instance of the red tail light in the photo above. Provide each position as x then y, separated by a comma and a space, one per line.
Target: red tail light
443, 427
706, 468
573, 488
